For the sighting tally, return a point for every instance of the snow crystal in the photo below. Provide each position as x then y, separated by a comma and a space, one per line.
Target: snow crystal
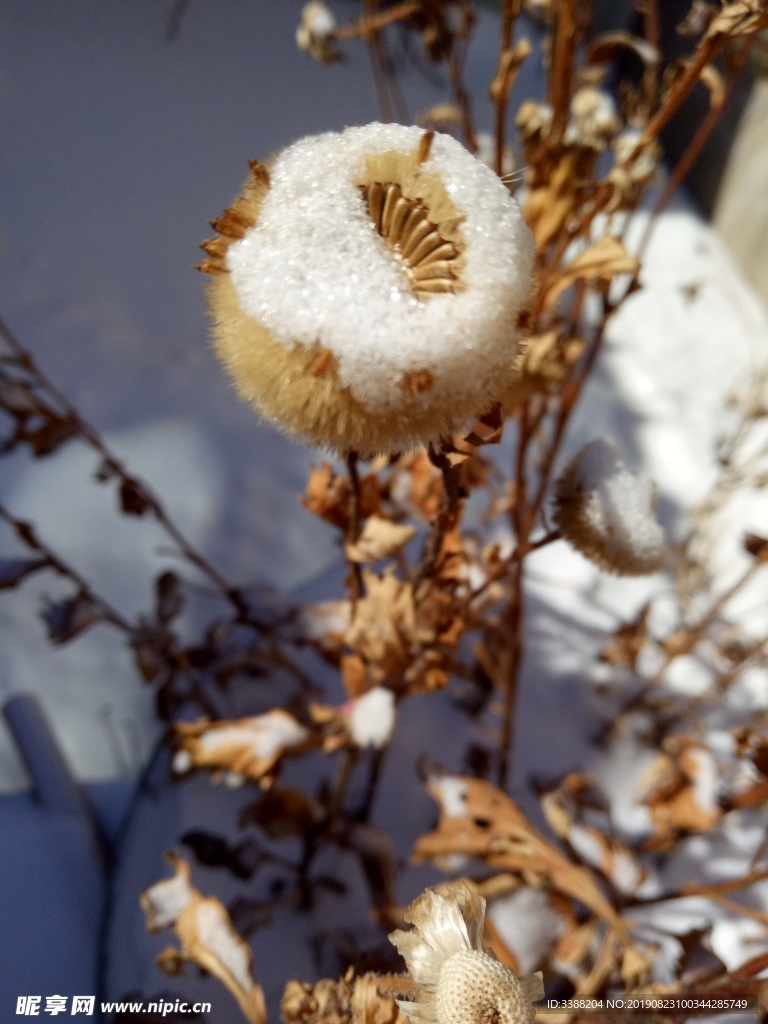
314, 270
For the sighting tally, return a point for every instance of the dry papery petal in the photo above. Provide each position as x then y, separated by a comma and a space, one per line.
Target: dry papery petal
206, 935
246, 747
600, 262
606, 512
458, 979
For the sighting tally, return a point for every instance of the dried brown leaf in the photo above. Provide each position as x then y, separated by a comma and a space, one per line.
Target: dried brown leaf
600, 262
206, 935
384, 623
494, 829
380, 538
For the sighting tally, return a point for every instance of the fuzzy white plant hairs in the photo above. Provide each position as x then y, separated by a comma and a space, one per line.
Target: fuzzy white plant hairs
365, 289
607, 512
458, 979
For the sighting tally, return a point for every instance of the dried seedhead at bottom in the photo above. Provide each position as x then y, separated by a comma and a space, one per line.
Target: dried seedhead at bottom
606, 512
458, 980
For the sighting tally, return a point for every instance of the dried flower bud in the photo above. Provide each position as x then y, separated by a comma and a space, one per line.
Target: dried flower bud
458, 980
606, 512
593, 119
365, 292
533, 118
315, 32
643, 167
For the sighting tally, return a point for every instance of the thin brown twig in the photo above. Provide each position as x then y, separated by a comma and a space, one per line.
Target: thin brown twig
510, 13
29, 537
447, 516
353, 527
91, 436
694, 147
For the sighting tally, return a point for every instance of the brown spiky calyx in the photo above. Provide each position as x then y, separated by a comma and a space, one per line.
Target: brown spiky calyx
427, 257
235, 220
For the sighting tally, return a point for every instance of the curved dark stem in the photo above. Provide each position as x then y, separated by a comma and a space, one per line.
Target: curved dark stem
353, 529
447, 517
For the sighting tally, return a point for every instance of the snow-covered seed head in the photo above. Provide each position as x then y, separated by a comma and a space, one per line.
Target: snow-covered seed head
607, 512
458, 980
365, 289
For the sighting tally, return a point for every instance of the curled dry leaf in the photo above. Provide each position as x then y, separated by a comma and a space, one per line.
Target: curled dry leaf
562, 808
744, 17
66, 619
384, 623
14, 570
207, 938
380, 538
600, 262
248, 747
680, 788
478, 820
283, 813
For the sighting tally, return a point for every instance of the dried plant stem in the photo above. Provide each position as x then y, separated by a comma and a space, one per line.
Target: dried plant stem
513, 657
650, 83
561, 78
378, 68
91, 436
695, 146
693, 634
510, 13
461, 97
26, 533
447, 516
373, 22
353, 528
706, 52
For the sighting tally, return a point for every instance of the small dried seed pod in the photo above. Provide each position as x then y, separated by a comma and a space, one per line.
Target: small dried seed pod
606, 512
365, 292
458, 980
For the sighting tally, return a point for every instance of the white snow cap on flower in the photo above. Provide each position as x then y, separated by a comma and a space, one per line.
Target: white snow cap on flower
315, 271
458, 980
606, 512
372, 718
